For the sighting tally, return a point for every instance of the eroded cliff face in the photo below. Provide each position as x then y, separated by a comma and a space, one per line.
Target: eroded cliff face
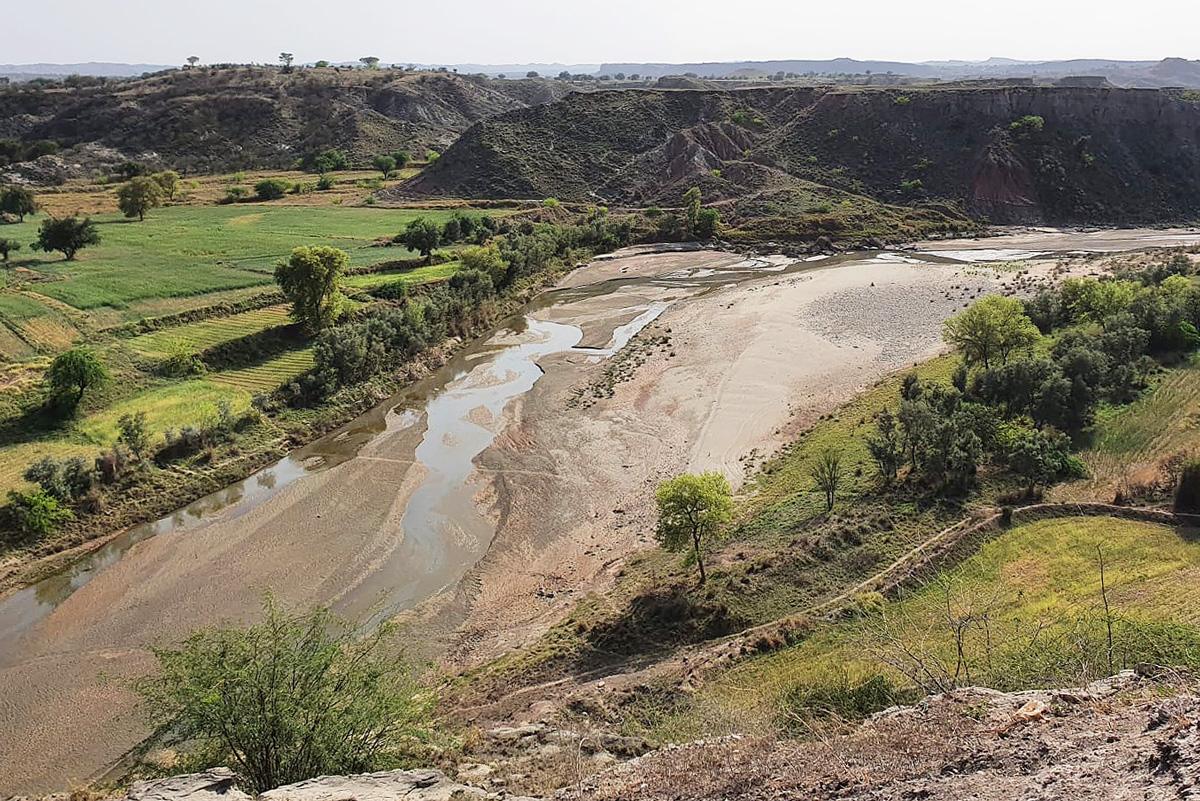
1015, 154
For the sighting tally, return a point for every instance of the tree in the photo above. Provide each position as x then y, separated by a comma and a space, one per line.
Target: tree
168, 181
71, 374
322, 64
486, 260
310, 281
8, 247
532, 74
68, 235
691, 209
402, 157
19, 201
370, 62
1042, 456
385, 164
138, 196
286, 60
423, 236
293, 697
826, 473
1187, 491
886, 446
692, 509
992, 328
193, 60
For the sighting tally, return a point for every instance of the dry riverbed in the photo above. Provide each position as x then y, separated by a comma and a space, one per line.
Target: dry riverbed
731, 357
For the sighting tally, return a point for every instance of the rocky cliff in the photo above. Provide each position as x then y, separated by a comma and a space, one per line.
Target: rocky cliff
1006, 154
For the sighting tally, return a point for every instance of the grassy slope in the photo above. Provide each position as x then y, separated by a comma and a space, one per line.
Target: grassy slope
1044, 573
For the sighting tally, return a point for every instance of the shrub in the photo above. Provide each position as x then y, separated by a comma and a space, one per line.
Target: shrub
551, 203
293, 697
271, 189
325, 182
37, 513
1029, 124
133, 433
840, 699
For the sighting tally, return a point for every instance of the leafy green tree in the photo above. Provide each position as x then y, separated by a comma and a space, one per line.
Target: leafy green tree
423, 236
72, 373
286, 60
8, 247
370, 62
168, 181
826, 473
991, 329
291, 698
385, 164
692, 509
310, 280
402, 157
691, 209
326, 161
36, 513
1042, 456
138, 196
68, 235
19, 201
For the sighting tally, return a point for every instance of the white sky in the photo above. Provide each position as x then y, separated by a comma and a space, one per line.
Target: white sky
592, 31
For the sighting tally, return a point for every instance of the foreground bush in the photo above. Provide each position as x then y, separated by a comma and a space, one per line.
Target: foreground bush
1187, 492
294, 697
36, 513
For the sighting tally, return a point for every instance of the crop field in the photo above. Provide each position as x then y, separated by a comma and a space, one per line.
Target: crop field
1041, 578
268, 375
196, 337
180, 251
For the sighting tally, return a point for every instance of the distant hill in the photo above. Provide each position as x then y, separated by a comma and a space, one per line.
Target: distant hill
1141, 74
1010, 154
99, 69
210, 119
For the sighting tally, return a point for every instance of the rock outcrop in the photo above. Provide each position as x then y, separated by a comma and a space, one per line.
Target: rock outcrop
219, 784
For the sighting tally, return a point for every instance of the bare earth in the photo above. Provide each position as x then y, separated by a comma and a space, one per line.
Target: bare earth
567, 485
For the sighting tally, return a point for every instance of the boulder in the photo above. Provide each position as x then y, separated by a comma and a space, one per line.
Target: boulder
215, 784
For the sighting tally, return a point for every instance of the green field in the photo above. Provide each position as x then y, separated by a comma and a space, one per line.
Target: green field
418, 275
183, 251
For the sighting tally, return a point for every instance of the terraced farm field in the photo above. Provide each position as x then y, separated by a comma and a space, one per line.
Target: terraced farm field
29, 326
419, 275
267, 376
195, 337
181, 251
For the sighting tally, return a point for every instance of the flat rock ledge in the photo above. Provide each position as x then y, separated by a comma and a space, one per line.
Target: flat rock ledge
220, 784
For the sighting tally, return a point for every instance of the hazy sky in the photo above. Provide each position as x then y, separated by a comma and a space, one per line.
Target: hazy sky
591, 31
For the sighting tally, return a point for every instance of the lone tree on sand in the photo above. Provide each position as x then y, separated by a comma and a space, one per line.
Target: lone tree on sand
310, 280
691, 510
